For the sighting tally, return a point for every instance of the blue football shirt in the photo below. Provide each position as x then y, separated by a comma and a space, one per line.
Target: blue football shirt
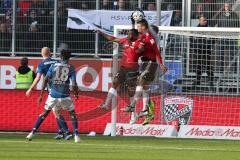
60, 75
44, 66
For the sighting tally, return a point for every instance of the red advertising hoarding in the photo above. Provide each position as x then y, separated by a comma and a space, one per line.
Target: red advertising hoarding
19, 112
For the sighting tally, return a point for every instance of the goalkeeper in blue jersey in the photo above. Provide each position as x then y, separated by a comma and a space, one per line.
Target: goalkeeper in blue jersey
58, 77
42, 70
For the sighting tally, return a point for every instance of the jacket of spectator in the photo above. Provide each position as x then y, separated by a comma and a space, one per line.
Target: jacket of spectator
24, 75
228, 20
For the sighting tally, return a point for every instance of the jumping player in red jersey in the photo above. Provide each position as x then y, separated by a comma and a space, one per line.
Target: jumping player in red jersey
128, 71
151, 57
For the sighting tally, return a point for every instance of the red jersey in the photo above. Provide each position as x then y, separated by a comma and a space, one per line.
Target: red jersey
150, 47
129, 56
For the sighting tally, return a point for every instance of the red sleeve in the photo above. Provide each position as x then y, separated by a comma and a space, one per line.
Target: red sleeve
137, 44
149, 39
122, 40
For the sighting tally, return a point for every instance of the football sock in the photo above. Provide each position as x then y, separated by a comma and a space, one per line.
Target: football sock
38, 123
145, 100
111, 93
62, 124
75, 125
137, 95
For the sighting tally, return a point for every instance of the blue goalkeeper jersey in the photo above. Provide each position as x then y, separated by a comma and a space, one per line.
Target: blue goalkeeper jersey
60, 75
44, 66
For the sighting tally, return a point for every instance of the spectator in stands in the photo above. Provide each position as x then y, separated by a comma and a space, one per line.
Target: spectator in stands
36, 37
41, 7
24, 75
33, 18
202, 48
133, 4
24, 7
62, 35
177, 18
170, 7
5, 38
62, 8
228, 18
122, 5
3, 28
43, 10
7, 5
106, 4
151, 6
205, 7
85, 6
198, 11
227, 48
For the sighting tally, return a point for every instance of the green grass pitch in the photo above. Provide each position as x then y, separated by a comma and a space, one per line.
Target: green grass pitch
43, 147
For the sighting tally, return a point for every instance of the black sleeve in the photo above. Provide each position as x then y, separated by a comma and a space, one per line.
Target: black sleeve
34, 75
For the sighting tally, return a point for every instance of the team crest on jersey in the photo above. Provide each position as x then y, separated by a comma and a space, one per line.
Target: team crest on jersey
176, 107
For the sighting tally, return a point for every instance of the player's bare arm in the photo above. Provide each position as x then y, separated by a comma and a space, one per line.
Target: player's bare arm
160, 62
45, 81
108, 37
35, 82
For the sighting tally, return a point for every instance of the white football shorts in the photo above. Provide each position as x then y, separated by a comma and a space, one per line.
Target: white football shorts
58, 103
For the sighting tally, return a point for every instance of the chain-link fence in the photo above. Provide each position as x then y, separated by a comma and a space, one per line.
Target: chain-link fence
33, 24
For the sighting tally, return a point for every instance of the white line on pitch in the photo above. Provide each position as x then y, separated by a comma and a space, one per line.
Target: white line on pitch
127, 146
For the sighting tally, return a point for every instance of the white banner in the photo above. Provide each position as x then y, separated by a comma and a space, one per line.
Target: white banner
209, 132
105, 20
140, 130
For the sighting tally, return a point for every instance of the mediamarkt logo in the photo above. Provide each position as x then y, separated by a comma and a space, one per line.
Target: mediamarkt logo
151, 131
228, 132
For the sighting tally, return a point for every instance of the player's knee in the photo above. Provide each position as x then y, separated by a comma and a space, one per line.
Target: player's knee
115, 82
56, 113
145, 78
141, 80
72, 115
44, 113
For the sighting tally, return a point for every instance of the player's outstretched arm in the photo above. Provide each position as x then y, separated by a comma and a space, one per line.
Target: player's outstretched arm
108, 37
35, 82
45, 81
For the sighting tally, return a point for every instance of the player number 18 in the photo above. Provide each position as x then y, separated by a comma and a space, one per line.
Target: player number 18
62, 74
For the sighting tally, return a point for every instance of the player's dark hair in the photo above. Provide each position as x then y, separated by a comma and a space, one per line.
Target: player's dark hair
155, 28
134, 32
143, 22
24, 61
65, 54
